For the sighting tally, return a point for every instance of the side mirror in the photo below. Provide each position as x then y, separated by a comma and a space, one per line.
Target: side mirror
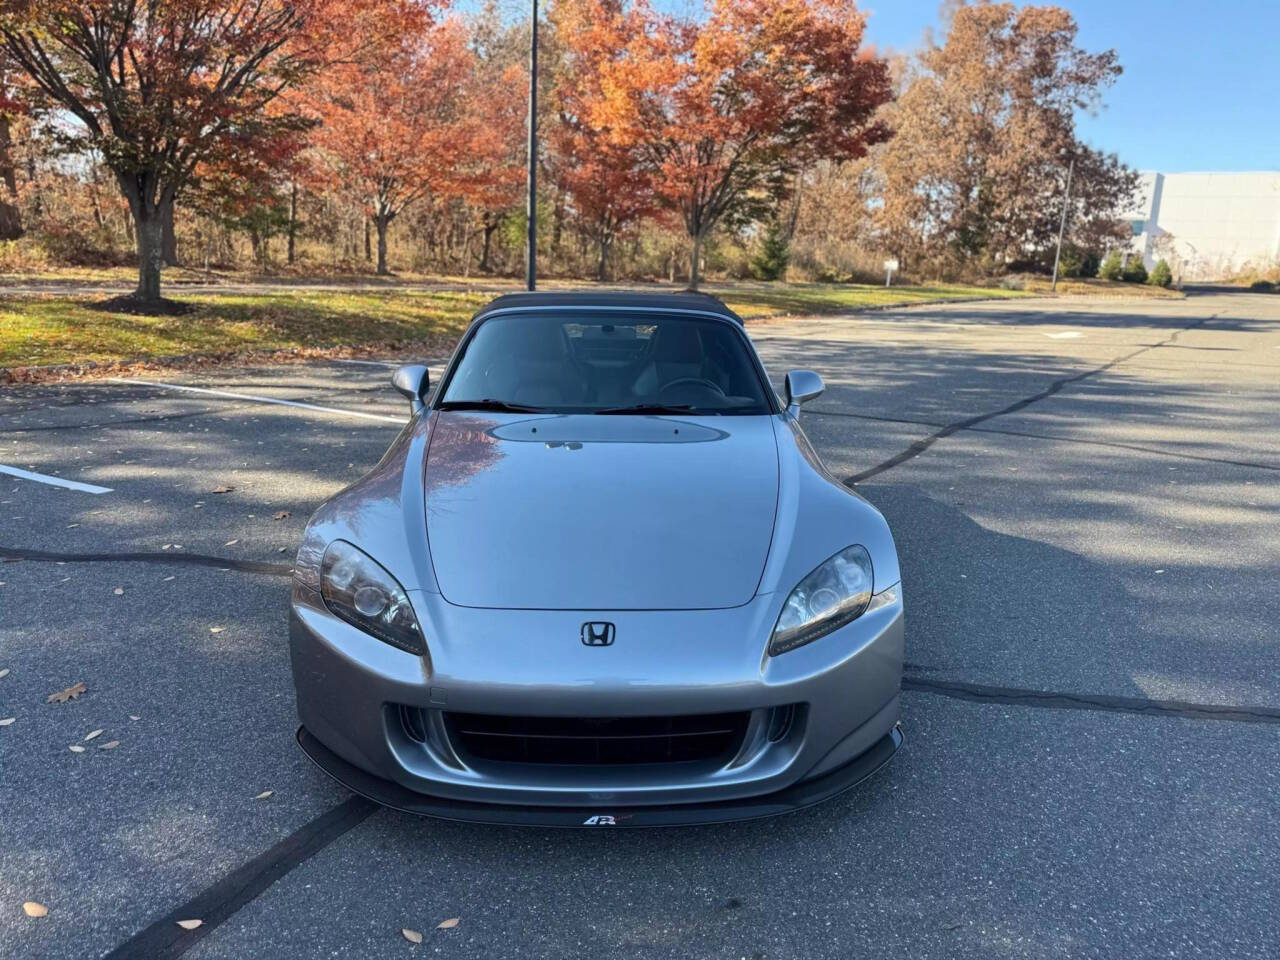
411, 382
802, 386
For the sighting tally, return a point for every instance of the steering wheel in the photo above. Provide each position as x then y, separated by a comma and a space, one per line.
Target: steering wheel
692, 382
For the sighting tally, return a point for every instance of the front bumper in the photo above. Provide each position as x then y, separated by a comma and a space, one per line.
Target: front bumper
789, 800
351, 688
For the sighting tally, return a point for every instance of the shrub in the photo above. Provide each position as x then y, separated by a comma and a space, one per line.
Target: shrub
770, 263
1135, 271
1161, 275
1112, 267
1263, 286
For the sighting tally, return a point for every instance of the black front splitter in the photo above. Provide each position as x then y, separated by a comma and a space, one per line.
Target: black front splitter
791, 799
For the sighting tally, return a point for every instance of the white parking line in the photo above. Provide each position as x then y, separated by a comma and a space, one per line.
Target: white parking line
365, 363
53, 481
257, 399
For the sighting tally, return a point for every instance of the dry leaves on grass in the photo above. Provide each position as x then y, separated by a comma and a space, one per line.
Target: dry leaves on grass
413, 936
448, 924
62, 696
226, 488
33, 909
281, 515
189, 924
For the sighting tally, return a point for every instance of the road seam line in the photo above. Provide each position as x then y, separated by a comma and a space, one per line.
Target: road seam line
165, 940
15, 554
923, 444
1015, 696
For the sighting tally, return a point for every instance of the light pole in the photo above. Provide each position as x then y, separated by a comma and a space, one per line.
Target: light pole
1062, 224
531, 251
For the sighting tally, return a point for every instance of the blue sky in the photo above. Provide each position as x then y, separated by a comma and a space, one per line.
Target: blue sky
1201, 83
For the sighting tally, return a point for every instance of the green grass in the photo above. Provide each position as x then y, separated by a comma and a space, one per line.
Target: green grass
55, 330
758, 300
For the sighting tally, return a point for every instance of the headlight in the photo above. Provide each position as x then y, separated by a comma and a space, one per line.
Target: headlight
835, 594
361, 592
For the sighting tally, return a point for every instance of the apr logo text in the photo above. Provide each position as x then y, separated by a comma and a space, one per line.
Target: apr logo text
603, 820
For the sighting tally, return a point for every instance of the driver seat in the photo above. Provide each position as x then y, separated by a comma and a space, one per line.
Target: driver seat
676, 353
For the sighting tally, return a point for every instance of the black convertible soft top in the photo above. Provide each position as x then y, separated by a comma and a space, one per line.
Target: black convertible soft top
702, 302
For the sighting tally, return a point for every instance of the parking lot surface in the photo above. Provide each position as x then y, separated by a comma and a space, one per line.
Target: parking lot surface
1086, 499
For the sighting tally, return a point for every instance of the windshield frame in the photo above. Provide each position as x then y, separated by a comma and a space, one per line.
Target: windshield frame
771, 400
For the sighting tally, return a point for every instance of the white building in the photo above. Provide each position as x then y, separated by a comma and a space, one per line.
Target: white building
1208, 225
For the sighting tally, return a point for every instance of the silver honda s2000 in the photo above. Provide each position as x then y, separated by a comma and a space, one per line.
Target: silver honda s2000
600, 579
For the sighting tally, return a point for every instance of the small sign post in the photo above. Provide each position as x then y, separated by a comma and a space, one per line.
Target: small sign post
889, 267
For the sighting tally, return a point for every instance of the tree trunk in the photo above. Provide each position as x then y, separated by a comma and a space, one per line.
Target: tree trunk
293, 220
148, 230
602, 268
694, 264
10, 218
168, 238
488, 243
381, 223
368, 241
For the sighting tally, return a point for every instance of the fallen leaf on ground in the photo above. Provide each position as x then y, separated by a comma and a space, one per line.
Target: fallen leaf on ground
223, 489
62, 696
264, 794
167, 579
6, 721
92, 734
118, 591
282, 515
447, 924
216, 629
413, 936
230, 543
109, 745
76, 748
189, 924
4, 672
33, 909
132, 717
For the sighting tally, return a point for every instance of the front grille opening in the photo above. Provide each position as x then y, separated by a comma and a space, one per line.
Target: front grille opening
414, 722
598, 740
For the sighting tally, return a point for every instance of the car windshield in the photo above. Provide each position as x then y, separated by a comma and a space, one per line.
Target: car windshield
628, 364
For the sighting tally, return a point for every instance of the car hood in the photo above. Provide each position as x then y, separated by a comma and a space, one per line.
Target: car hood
581, 512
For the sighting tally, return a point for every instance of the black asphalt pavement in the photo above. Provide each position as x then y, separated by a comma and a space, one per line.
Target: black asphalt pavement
1086, 499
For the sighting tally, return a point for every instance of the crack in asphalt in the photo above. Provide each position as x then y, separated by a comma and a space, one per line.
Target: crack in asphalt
1056, 700
923, 444
17, 554
129, 421
1049, 436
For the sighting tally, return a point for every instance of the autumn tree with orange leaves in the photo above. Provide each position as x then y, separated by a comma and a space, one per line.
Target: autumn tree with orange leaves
412, 120
726, 110
605, 176
159, 86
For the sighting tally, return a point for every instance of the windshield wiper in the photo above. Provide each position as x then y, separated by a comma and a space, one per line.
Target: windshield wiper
650, 408
500, 406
